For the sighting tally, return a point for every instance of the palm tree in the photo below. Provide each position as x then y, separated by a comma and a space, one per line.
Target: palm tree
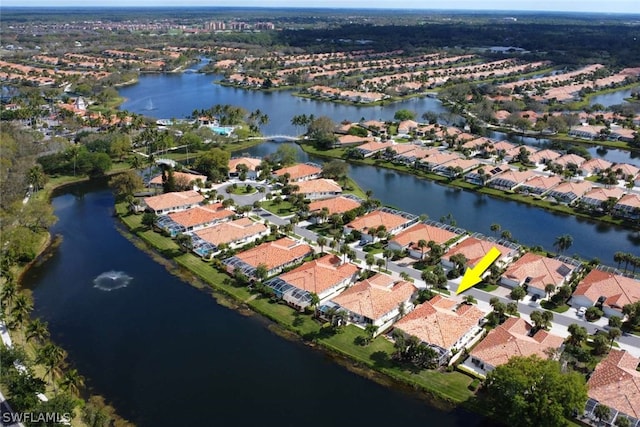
7, 295
369, 259
562, 243
321, 241
387, 253
72, 382
549, 288
422, 244
314, 301
51, 357
22, 308
379, 263
37, 329
469, 299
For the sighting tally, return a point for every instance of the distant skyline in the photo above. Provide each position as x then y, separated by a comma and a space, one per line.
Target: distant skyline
612, 6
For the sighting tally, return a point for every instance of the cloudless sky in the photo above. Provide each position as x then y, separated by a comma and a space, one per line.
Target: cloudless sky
604, 6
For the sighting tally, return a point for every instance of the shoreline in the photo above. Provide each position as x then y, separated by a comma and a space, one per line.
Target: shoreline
463, 185
252, 304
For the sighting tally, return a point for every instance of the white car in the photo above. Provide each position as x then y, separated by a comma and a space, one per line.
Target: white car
581, 311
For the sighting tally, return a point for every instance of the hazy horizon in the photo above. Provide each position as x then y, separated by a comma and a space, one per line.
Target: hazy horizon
615, 6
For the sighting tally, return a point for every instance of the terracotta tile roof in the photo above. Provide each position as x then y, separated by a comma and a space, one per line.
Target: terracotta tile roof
375, 146
503, 146
618, 290
616, 383
631, 200
319, 275
250, 162
299, 171
412, 235
464, 164
602, 193
439, 158
232, 231
173, 200
543, 182
546, 155
321, 185
338, 204
514, 176
595, 165
376, 296
570, 158
512, 339
473, 249
478, 142
577, 188
275, 254
627, 169
436, 322
201, 215
541, 270
188, 177
376, 219
353, 139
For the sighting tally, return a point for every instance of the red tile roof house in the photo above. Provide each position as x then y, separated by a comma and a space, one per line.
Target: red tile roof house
511, 154
392, 220
613, 291
510, 179
509, 340
478, 145
536, 272
350, 140
443, 324
371, 148
594, 167
405, 127
201, 216
474, 249
326, 277
628, 206
544, 156
300, 172
626, 171
173, 202
251, 163
233, 233
456, 167
539, 184
436, 159
598, 195
568, 192
569, 159
275, 255
318, 188
182, 179
333, 205
375, 301
615, 383
409, 238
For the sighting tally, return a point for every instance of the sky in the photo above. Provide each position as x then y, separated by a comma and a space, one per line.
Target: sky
602, 6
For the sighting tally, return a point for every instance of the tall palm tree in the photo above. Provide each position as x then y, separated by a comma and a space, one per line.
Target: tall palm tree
37, 330
7, 296
562, 243
72, 382
422, 244
321, 241
23, 305
387, 253
52, 358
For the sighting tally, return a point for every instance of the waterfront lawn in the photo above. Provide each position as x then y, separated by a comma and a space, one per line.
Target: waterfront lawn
286, 316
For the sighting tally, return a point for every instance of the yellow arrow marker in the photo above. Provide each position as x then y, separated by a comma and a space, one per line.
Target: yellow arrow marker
472, 275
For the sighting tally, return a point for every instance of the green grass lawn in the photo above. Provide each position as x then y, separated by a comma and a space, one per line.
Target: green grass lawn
242, 190
487, 287
281, 209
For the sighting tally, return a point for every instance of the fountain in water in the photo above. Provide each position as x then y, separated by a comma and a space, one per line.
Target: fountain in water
112, 280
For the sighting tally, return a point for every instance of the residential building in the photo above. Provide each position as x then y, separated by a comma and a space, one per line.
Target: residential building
594, 166
326, 277
474, 249
437, 159
173, 202
334, 205
182, 179
568, 192
300, 172
510, 179
544, 156
536, 272
615, 383
626, 171
512, 338
373, 147
628, 206
376, 301
252, 164
539, 184
274, 256
391, 220
201, 216
569, 159
321, 188
410, 237
233, 233
442, 324
596, 197
456, 167
608, 290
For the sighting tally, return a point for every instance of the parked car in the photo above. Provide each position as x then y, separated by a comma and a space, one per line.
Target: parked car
581, 311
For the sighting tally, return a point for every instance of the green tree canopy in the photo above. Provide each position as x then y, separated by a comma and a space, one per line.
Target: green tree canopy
530, 391
404, 114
